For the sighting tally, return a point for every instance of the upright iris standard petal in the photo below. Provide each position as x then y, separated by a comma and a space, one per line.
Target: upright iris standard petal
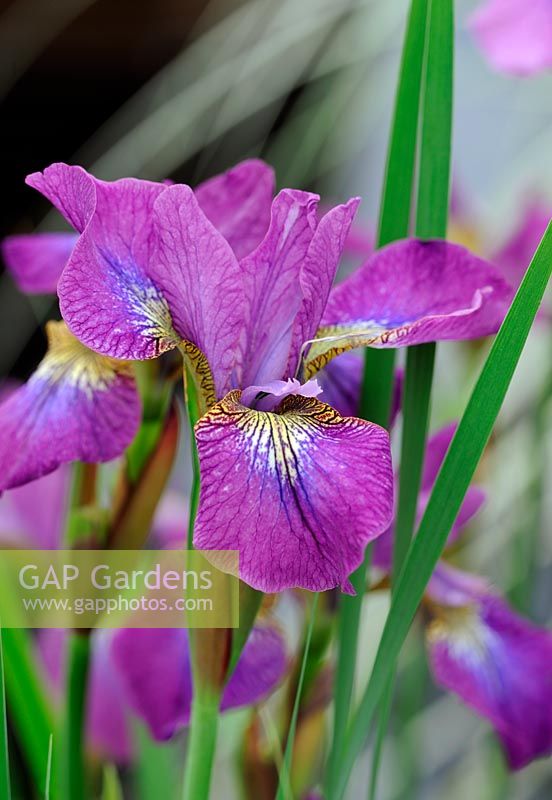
272, 273
200, 278
497, 662
76, 406
515, 35
238, 203
318, 273
36, 260
299, 492
154, 668
411, 292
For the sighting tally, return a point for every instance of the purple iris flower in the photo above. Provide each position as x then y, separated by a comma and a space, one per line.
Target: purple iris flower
515, 35
78, 405
498, 663
237, 203
146, 672
297, 488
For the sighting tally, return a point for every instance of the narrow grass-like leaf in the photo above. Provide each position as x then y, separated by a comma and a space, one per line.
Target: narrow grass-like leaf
449, 490
383, 723
431, 221
5, 790
111, 789
156, 773
49, 768
379, 365
73, 781
29, 712
284, 790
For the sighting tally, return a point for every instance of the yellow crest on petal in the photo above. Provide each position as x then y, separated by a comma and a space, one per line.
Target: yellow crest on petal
70, 361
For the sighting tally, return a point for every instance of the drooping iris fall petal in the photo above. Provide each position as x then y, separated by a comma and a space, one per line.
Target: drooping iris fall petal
76, 406
299, 491
411, 292
154, 668
36, 260
515, 35
497, 662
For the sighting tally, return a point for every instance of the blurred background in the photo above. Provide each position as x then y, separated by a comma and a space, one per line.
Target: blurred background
184, 89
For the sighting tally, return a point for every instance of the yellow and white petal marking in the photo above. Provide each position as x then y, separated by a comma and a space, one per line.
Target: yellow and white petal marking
71, 362
298, 491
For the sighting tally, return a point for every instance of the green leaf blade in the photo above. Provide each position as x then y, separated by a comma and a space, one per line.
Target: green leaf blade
449, 490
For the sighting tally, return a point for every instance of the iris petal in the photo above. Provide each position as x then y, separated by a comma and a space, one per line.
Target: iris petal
143, 655
497, 662
36, 260
78, 405
299, 492
411, 292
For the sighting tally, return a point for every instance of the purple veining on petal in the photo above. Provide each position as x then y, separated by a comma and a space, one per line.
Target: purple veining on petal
515, 35
71, 189
107, 296
36, 260
497, 662
108, 715
237, 202
318, 273
154, 668
412, 292
33, 514
272, 279
200, 278
76, 406
299, 493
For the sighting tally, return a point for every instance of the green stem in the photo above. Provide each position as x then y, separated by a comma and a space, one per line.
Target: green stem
201, 746
5, 790
284, 785
73, 769
379, 365
206, 698
30, 714
416, 404
383, 723
350, 607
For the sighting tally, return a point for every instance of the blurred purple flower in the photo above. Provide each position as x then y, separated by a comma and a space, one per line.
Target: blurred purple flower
77, 405
514, 256
515, 35
154, 669
498, 663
